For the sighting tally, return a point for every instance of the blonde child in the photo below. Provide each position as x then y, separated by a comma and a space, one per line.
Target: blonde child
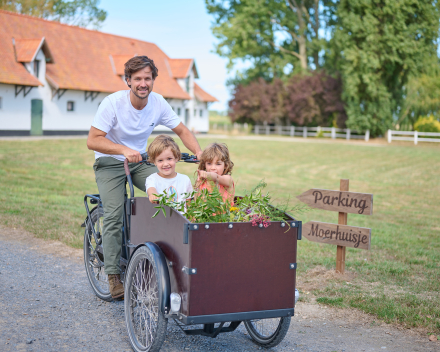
165, 153
215, 169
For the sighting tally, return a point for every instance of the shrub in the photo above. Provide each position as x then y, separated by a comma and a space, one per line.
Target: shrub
427, 124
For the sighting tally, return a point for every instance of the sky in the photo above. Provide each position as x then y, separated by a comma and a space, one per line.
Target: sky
180, 28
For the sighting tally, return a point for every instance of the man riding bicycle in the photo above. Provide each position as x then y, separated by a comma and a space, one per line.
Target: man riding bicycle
120, 131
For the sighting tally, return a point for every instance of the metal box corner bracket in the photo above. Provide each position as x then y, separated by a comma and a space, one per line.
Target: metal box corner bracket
189, 271
186, 229
297, 224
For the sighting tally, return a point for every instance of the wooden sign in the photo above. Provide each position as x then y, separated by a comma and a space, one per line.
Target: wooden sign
344, 202
341, 235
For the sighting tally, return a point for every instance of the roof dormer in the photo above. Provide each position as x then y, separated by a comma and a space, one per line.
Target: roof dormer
26, 50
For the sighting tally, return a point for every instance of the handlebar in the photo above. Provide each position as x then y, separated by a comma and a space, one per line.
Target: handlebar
185, 157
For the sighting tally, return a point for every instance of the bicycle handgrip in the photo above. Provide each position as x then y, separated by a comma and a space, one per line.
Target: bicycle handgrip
127, 170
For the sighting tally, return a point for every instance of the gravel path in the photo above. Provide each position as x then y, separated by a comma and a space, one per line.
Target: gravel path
46, 304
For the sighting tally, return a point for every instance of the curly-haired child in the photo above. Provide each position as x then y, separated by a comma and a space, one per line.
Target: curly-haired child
215, 169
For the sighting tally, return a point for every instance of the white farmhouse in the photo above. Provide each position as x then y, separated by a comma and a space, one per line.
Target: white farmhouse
53, 77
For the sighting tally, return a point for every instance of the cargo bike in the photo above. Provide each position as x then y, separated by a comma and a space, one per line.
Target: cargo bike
215, 275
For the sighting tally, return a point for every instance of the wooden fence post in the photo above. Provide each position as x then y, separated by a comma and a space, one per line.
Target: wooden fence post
292, 131
305, 132
342, 220
367, 135
416, 135
333, 133
389, 136
348, 135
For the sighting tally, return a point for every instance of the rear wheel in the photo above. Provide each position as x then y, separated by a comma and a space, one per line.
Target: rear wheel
145, 321
93, 255
268, 332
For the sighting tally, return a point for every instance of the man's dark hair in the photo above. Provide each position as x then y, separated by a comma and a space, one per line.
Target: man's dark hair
138, 63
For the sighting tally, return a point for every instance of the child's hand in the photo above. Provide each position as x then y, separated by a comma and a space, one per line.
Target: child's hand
153, 199
203, 175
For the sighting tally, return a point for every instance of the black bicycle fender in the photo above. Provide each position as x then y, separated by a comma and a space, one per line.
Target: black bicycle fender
163, 279
87, 218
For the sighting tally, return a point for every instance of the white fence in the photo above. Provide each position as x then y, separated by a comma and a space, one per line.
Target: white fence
305, 132
413, 136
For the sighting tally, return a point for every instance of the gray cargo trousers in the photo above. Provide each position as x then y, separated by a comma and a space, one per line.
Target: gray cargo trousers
110, 178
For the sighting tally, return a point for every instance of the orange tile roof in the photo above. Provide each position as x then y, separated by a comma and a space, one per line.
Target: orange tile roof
83, 58
202, 95
11, 71
180, 67
119, 61
26, 49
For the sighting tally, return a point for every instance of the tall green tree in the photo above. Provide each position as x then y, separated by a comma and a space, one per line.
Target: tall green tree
380, 44
82, 13
275, 36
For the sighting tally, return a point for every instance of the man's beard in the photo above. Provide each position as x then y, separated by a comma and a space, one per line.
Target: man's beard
134, 92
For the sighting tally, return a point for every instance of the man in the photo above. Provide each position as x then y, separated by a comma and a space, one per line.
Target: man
119, 131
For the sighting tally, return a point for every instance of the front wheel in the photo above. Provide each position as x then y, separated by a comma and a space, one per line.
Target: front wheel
93, 255
145, 321
268, 332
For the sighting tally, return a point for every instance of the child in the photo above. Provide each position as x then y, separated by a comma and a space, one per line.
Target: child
215, 168
165, 153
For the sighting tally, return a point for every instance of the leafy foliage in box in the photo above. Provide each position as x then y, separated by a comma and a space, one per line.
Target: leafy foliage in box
209, 206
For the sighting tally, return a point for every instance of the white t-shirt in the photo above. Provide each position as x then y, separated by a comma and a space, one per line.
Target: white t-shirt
174, 186
130, 127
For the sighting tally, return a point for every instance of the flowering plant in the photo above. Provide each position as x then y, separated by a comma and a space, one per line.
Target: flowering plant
208, 206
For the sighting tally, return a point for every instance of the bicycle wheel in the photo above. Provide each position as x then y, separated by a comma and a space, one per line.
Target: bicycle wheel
93, 256
268, 332
145, 322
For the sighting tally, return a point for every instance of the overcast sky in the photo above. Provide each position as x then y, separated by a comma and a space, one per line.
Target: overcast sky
180, 28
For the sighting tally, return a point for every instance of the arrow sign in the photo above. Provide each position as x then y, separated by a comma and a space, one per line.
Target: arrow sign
341, 235
344, 202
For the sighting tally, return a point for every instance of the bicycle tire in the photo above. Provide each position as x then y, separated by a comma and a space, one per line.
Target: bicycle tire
93, 260
146, 324
276, 327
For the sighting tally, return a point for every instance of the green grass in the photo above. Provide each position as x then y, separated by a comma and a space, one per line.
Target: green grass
398, 280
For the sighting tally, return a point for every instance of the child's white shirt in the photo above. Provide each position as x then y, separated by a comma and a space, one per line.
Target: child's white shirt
174, 186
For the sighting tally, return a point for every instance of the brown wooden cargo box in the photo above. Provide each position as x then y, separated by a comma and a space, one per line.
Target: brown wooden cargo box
222, 268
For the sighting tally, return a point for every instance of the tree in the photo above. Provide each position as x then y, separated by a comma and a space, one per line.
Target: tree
276, 36
258, 102
82, 13
380, 45
315, 100
306, 100
422, 96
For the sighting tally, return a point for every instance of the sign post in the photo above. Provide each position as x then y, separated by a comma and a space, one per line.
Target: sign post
341, 235
342, 220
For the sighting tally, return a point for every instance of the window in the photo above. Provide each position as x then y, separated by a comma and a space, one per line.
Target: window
187, 84
36, 68
70, 106
178, 111
201, 113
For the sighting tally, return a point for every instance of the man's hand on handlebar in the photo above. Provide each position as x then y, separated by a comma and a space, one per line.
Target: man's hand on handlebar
199, 155
133, 156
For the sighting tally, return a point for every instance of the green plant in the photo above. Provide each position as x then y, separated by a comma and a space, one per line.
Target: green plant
427, 124
320, 134
209, 206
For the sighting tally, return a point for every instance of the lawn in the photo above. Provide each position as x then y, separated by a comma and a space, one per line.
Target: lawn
398, 280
